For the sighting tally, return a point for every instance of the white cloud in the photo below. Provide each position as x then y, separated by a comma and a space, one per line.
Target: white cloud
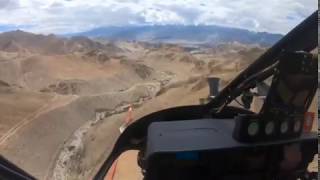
64, 16
8, 4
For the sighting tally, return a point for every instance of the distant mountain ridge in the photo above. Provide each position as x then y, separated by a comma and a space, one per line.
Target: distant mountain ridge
180, 33
20, 41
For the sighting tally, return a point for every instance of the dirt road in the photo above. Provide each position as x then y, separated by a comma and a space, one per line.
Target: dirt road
33, 129
45, 108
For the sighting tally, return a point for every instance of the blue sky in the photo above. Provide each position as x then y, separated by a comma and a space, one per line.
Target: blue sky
67, 16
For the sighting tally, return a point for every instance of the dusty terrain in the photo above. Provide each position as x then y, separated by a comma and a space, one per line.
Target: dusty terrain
53, 91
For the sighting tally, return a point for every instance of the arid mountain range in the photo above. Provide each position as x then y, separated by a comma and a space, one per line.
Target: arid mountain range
52, 88
200, 34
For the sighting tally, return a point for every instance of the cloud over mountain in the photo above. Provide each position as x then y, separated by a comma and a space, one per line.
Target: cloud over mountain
65, 16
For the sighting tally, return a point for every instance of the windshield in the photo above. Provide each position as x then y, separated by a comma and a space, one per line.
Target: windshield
75, 74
